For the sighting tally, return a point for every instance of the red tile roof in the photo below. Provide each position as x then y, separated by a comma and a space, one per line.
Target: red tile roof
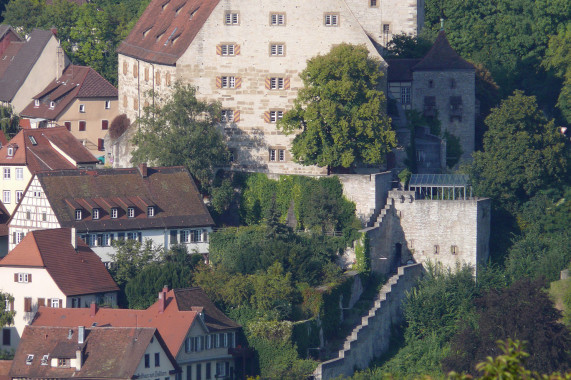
107, 353
42, 155
441, 56
75, 271
192, 298
166, 29
172, 324
5, 369
172, 190
76, 82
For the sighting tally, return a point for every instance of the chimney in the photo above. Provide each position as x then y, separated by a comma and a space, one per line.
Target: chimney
161, 301
78, 360
143, 169
165, 289
92, 309
73, 238
80, 334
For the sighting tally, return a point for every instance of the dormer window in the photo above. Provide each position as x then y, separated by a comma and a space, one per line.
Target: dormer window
37, 103
78, 214
11, 150
82, 108
114, 213
44, 360
29, 359
95, 214
150, 211
131, 212
52, 105
63, 362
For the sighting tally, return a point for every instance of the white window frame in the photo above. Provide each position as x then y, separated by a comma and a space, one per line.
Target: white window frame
19, 174
55, 302
227, 116
23, 278
52, 105
114, 213
19, 237
228, 50
275, 116
281, 155
78, 214
220, 369
277, 83
82, 108
150, 211
277, 19
36, 102
7, 173
231, 18
6, 197
19, 195
277, 49
228, 82
273, 154
10, 151
95, 214
405, 95
130, 212
331, 19
108, 104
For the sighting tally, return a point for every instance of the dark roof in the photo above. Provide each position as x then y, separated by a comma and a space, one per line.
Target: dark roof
15, 74
4, 219
194, 299
75, 82
170, 189
400, 69
441, 56
75, 271
436, 180
43, 155
107, 352
166, 29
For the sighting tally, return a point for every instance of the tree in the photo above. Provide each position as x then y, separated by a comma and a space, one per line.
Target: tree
6, 316
24, 15
340, 111
181, 130
522, 311
130, 258
558, 59
523, 153
9, 122
407, 46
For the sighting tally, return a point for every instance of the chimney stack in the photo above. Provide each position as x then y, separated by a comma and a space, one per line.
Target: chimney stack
80, 334
143, 169
73, 238
92, 309
78, 360
161, 301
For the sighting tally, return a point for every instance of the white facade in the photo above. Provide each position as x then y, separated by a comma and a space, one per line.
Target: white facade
32, 287
155, 363
13, 182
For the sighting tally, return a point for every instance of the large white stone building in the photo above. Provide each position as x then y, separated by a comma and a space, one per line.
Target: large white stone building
248, 56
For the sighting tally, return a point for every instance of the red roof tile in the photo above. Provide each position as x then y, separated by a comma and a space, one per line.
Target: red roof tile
441, 56
107, 353
42, 155
75, 82
166, 29
75, 271
172, 324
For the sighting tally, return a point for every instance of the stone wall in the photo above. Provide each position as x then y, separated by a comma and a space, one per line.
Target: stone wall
368, 191
371, 338
443, 85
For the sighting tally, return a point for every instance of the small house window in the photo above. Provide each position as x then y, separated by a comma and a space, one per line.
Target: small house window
82, 125
277, 19
331, 19
37, 103
78, 214
52, 105
10, 151
454, 249
452, 83
227, 116
436, 249
430, 83
227, 49
54, 302
95, 213
7, 173
147, 361
405, 95
372, 3
228, 82
131, 212
24, 278
44, 360
114, 213
82, 108
276, 83
63, 362
231, 18
6, 196
108, 104
67, 124
29, 359
275, 116
104, 125
150, 211
19, 194
277, 50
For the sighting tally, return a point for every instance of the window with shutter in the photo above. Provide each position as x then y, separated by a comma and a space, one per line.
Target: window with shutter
41, 302
101, 145
82, 125
27, 304
104, 125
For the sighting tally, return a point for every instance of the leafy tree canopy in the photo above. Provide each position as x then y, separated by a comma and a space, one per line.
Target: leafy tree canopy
340, 111
181, 130
558, 59
406, 46
523, 152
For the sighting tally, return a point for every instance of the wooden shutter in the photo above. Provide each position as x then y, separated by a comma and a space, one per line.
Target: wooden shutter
238, 82
15, 274
268, 83
100, 145
49, 302
236, 49
236, 116
30, 277
104, 124
267, 116
41, 302
14, 241
11, 305
68, 125
218, 82
218, 49
27, 304
286, 83
60, 303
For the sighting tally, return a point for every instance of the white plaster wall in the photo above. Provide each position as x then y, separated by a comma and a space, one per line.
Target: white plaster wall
42, 286
161, 371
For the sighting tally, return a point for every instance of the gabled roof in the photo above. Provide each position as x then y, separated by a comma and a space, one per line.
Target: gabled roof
171, 190
75, 271
43, 155
107, 353
166, 29
441, 56
16, 73
172, 323
194, 298
76, 82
